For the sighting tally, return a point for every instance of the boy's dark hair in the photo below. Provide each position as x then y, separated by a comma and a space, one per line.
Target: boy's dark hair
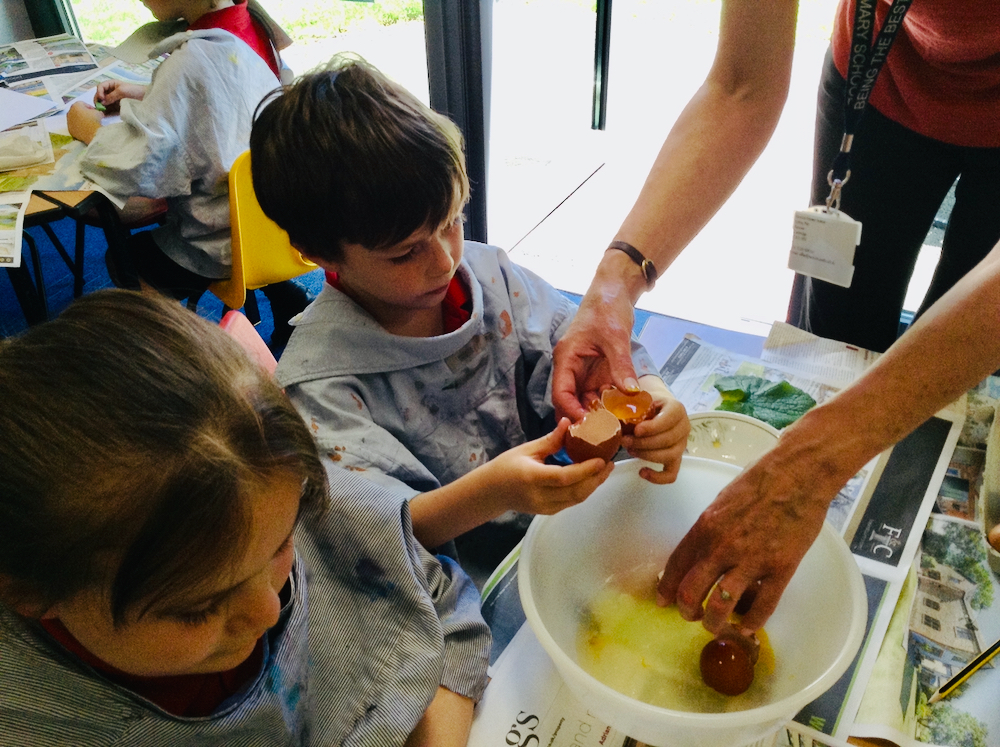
133, 432
346, 155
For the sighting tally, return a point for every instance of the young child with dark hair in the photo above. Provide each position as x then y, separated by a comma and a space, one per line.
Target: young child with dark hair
177, 566
177, 139
425, 363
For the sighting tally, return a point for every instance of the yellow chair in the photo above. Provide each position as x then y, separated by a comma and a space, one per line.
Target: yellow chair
262, 253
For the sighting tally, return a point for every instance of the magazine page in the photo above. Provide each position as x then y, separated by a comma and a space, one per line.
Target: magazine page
54, 55
952, 611
83, 87
693, 367
12, 208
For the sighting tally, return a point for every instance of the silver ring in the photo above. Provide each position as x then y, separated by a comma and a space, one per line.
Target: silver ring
726, 596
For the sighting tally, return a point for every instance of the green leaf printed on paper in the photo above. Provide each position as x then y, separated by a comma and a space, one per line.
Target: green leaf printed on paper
60, 141
777, 403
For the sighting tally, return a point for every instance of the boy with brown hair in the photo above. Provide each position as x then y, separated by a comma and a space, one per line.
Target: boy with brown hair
425, 363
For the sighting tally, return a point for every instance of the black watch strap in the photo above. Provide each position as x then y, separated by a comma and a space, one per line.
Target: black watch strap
646, 265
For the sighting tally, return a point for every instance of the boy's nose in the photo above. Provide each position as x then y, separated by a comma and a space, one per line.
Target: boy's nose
444, 259
256, 611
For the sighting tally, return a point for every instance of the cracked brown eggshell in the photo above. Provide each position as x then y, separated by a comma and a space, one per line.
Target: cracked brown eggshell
598, 435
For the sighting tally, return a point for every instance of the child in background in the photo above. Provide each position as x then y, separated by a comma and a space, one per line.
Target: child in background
177, 139
175, 570
425, 363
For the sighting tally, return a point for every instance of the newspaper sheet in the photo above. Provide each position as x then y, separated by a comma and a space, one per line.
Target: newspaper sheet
39, 58
817, 357
84, 87
527, 703
62, 91
12, 208
949, 611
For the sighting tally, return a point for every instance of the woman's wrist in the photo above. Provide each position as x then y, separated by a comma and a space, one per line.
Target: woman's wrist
618, 275
824, 449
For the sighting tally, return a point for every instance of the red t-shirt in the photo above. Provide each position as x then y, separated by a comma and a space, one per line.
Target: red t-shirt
189, 695
456, 308
237, 20
942, 76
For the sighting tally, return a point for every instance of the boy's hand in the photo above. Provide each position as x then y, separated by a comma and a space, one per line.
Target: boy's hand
517, 480
111, 92
525, 483
663, 438
83, 121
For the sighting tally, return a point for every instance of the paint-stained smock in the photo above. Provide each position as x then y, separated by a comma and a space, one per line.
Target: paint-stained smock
423, 411
374, 625
180, 141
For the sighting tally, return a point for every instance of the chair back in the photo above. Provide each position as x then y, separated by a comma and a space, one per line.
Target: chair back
240, 328
262, 252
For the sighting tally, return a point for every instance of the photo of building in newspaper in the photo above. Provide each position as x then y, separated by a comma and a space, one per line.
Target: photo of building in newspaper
949, 614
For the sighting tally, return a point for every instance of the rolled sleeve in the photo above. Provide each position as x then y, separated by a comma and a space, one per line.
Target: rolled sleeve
467, 637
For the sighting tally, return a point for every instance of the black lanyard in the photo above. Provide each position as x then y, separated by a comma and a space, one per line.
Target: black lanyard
863, 65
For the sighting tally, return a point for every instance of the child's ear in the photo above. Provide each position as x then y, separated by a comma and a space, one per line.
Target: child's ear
318, 261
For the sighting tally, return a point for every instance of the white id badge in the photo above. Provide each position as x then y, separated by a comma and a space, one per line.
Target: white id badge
823, 245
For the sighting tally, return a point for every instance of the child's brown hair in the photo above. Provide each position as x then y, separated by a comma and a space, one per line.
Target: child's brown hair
346, 155
132, 430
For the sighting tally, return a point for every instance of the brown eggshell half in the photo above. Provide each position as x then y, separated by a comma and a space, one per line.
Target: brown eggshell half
598, 435
629, 407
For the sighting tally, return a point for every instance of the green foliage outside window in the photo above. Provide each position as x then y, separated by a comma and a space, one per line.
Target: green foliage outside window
111, 21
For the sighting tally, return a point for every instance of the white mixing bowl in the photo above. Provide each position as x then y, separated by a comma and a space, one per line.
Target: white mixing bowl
729, 437
627, 523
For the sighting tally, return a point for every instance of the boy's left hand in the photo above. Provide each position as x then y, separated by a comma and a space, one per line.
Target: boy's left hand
83, 121
663, 438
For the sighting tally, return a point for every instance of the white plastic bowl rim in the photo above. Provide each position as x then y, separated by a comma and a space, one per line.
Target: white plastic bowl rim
780, 710
727, 415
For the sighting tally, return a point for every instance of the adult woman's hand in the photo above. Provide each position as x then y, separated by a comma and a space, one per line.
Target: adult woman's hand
762, 524
752, 537
596, 350
710, 147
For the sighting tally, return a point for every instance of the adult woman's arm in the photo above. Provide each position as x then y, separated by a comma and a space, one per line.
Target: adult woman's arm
716, 139
762, 524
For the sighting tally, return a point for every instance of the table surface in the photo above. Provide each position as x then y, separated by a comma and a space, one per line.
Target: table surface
42, 202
